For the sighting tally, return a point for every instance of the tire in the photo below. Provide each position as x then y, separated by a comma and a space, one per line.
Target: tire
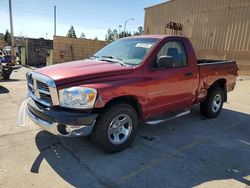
6, 77
7, 73
213, 104
117, 119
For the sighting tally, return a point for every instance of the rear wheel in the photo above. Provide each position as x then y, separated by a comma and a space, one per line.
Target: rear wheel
116, 127
213, 104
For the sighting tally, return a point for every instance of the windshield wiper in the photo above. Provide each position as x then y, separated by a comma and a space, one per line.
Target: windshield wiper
113, 59
94, 57
109, 58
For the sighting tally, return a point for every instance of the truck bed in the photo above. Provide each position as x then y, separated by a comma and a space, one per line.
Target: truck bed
213, 70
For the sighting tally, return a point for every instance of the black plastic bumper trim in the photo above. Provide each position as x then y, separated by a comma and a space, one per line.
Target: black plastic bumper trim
61, 116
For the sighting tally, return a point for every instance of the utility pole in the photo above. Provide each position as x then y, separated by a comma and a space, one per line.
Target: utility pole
119, 31
125, 24
11, 29
54, 20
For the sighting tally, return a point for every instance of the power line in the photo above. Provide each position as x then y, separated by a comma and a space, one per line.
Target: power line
68, 12
64, 15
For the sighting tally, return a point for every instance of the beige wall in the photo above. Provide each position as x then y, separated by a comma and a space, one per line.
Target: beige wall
2, 44
74, 49
218, 29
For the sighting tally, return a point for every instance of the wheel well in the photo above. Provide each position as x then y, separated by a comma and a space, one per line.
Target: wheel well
219, 83
132, 100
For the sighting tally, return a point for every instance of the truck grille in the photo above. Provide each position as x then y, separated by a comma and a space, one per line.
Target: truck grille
46, 98
42, 86
40, 90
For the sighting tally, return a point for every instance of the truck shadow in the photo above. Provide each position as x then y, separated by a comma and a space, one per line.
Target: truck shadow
13, 80
3, 90
184, 152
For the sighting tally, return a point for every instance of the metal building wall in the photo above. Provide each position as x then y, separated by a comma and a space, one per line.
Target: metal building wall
218, 29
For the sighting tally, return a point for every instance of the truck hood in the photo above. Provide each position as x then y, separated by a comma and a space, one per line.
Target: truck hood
83, 70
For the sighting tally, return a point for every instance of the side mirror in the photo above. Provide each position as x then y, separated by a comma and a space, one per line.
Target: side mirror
165, 61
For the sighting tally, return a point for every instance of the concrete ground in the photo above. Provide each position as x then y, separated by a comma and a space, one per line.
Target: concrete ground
186, 152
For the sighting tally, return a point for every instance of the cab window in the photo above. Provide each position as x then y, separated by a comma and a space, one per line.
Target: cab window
174, 49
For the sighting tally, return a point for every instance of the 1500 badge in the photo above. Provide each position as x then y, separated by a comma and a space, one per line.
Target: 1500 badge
157, 92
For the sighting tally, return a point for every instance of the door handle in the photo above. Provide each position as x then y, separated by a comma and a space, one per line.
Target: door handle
188, 74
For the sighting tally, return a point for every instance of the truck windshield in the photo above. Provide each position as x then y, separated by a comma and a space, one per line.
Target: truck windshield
130, 51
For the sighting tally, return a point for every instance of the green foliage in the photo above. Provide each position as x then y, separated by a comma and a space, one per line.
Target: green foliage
126, 34
113, 34
1, 36
139, 31
7, 37
96, 38
83, 36
71, 32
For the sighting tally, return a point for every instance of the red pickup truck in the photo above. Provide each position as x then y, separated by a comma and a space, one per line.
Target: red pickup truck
138, 79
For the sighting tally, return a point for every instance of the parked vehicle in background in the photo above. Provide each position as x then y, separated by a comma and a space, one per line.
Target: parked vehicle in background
5, 56
7, 50
5, 71
6, 66
142, 78
1, 55
6, 59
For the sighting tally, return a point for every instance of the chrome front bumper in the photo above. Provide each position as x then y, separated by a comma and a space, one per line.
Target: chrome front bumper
59, 129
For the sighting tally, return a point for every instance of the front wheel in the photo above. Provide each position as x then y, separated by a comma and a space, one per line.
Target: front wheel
116, 127
213, 104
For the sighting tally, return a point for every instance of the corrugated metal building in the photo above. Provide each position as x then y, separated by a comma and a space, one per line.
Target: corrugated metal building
218, 29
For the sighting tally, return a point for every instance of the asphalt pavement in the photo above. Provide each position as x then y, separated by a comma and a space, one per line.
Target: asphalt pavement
190, 151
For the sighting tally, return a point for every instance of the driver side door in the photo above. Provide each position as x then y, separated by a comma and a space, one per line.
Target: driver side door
173, 87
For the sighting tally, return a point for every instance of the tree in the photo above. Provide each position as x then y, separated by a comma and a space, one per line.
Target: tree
96, 38
113, 35
2, 36
139, 31
83, 36
7, 37
71, 32
109, 36
126, 34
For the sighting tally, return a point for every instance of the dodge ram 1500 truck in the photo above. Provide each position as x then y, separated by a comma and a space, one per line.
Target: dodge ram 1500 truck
138, 79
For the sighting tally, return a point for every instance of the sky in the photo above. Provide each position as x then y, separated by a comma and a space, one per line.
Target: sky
32, 18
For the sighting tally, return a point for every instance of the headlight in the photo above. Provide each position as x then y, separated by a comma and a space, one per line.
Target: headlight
78, 97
